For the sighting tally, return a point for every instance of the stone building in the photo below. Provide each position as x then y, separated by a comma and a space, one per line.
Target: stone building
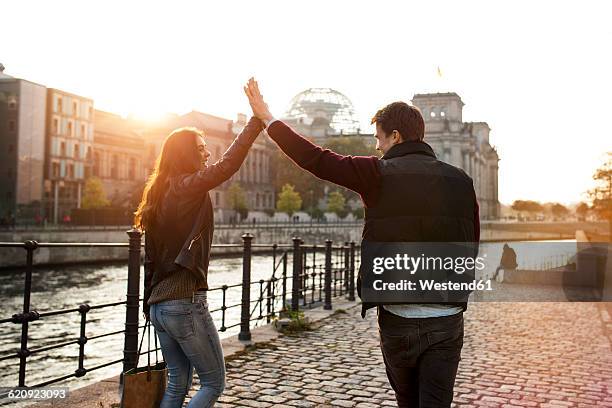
69, 144
22, 149
120, 158
462, 144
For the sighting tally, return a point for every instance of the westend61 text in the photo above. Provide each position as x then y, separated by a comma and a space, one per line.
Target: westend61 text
413, 264
429, 284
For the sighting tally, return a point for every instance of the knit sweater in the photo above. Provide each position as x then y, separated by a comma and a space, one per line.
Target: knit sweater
179, 285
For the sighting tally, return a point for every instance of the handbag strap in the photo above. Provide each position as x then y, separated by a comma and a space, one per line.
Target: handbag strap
149, 347
147, 327
147, 323
155, 337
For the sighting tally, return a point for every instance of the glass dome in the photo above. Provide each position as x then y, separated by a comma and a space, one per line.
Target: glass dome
315, 104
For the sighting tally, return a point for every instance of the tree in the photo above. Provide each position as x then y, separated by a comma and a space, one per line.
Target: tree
358, 213
94, 195
289, 200
559, 210
581, 211
527, 206
350, 145
237, 199
336, 203
601, 194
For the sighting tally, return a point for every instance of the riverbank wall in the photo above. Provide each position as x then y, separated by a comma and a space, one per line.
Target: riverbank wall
263, 234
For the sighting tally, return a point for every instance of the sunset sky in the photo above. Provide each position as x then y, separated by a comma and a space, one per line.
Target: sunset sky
538, 72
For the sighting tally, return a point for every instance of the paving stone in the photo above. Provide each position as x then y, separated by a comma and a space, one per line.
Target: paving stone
514, 355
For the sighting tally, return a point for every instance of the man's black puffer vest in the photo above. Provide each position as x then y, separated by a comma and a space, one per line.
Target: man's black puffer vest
422, 199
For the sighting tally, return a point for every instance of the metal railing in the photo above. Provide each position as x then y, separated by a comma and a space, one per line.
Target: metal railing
313, 280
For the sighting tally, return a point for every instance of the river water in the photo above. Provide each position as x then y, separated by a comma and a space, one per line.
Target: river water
68, 287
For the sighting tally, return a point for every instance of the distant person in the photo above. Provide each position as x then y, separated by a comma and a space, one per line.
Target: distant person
409, 196
176, 214
507, 262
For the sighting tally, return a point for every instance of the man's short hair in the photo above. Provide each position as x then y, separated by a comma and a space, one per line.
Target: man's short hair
404, 118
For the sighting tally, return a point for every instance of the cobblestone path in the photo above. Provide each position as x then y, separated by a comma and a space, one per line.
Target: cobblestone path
514, 355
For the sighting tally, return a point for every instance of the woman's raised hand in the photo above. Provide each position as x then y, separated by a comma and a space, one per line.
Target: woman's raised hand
259, 107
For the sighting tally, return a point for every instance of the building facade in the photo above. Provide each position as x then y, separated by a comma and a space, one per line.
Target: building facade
22, 149
462, 144
120, 158
69, 147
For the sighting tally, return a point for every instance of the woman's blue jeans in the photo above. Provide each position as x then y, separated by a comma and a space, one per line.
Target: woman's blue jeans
189, 340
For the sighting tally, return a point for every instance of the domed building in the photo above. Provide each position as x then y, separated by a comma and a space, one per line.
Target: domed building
321, 112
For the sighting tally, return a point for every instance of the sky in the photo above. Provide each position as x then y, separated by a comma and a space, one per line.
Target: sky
537, 72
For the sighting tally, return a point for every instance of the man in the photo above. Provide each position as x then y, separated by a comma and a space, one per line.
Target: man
507, 263
409, 196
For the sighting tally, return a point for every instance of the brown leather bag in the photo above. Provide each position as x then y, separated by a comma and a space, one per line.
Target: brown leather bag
144, 387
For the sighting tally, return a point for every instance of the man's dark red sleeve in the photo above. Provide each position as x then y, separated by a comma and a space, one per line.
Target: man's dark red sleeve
357, 173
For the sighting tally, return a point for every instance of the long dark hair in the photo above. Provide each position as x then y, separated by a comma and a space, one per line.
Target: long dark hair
179, 155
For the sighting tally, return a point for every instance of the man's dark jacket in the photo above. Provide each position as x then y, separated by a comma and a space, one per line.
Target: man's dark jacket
421, 199
408, 195
183, 231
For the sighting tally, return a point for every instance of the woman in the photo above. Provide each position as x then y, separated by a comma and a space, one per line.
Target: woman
177, 216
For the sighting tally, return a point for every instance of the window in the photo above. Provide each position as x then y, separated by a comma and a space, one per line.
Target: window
442, 113
71, 171
12, 103
62, 148
83, 134
90, 117
55, 126
59, 105
433, 112
88, 154
55, 169
217, 198
12, 125
75, 108
77, 153
132, 169
70, 129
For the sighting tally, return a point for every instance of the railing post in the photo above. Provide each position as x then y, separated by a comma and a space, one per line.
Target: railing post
303, 273
132, 307
284, 307
328, 274
245, 315
347, 256
297, 271
352, 273
24, 353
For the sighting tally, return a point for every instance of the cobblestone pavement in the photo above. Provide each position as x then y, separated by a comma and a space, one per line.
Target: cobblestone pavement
514, 355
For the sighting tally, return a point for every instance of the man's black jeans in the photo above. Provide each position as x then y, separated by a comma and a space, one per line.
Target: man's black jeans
421, 357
